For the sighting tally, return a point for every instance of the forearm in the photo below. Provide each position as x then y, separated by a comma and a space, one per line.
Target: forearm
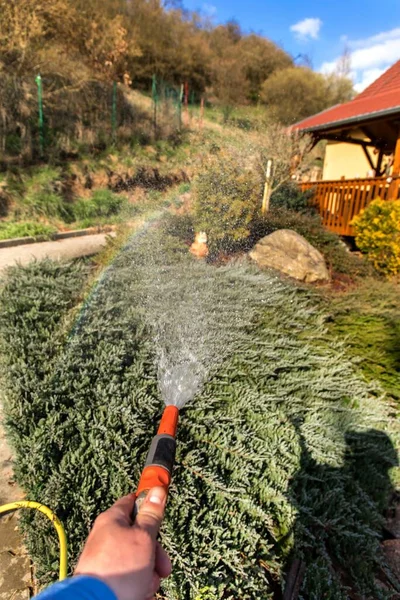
81, 587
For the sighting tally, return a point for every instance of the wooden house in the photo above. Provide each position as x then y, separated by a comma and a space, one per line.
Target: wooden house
362, 158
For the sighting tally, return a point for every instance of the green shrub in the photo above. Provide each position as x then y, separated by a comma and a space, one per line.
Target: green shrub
207, 593
275, 454
13, 144
336, 254
378, 235
44, 204
39, 196
9, 229
227, 196
103, 203
5, 197
368, 318
180, 226
184, 188
290, 196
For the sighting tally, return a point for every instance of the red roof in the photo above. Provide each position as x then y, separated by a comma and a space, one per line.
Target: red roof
380, 98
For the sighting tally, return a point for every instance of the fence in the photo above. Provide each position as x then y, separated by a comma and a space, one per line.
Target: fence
167, 103
42, 117
175, 104
338, 202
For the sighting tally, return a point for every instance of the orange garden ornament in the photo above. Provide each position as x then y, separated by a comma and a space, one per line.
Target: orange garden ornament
199, 248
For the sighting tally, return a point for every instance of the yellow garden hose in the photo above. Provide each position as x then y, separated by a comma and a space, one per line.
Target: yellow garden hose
56, 522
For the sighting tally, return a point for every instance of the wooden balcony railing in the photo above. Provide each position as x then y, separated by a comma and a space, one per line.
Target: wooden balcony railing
338, 202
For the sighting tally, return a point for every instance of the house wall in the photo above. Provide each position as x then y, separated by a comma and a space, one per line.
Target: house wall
345, 160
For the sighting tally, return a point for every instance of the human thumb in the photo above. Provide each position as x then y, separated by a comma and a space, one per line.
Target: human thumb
151, 512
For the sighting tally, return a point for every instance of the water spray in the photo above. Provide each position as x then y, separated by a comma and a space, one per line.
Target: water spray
196, 323
178, 385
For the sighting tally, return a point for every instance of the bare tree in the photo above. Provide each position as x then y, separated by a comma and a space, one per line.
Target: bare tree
285, 155
343, 65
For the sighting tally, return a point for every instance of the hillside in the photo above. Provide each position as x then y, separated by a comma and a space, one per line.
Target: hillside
82, 49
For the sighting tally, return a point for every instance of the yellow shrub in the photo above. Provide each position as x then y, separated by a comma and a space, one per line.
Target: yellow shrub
378, 234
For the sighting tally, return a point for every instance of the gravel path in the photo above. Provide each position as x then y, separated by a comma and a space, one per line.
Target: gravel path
67, 249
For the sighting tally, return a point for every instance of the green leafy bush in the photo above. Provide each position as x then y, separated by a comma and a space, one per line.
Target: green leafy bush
45, 204
290, 196
103, 203
40, 196
378, 235
180, 226
276, 455
5, 198
368, 317
336, 254
227, 196
13, 144
184, 188
9, 229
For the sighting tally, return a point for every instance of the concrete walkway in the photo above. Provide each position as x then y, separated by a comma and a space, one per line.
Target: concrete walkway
60, 249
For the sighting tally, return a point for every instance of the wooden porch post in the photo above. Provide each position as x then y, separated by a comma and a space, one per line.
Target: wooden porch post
393, 191
378, 172
396, 158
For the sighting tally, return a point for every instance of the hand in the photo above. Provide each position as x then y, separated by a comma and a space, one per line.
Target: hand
128, 557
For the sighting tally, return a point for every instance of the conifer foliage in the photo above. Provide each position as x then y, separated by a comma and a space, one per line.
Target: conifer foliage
281, 453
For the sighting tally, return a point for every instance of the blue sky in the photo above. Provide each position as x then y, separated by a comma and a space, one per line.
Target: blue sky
321, 29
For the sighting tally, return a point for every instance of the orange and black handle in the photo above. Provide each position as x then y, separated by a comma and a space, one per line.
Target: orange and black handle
160, 460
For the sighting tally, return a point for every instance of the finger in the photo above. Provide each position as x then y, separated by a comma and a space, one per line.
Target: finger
155, 585
151, 512
163, 563
122, 510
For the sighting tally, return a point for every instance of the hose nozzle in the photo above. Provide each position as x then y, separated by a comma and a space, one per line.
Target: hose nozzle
169, 421
161, 457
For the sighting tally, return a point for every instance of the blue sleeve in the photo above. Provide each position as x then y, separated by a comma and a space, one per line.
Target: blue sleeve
81, 587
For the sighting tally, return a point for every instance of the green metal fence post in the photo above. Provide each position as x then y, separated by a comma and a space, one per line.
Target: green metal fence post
154, 98
180, 100
114, 113
41, 116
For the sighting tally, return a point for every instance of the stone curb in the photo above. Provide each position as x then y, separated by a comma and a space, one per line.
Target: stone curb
61, 235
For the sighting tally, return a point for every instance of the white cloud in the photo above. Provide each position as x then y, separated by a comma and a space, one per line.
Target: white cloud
369, 57
209, 9
392, 34
307, 28
329, 66
377, 55
367, 77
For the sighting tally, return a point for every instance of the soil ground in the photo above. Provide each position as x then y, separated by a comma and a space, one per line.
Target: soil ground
15, 565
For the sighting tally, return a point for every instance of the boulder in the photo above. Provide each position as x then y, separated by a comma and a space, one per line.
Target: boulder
290, 253
391, 551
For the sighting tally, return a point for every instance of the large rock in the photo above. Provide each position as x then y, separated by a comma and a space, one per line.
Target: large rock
290, 253
391, 551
